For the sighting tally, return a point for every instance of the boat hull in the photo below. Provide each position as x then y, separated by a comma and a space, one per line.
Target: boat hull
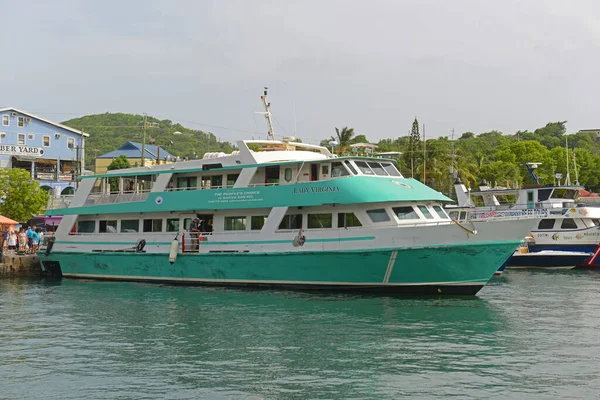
548, 260
450, 269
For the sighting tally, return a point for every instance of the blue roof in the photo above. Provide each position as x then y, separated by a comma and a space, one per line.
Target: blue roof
134, 150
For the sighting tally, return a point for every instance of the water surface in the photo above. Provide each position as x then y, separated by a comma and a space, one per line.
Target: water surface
526, 335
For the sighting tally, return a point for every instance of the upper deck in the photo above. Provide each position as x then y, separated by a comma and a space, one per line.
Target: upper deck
277, 173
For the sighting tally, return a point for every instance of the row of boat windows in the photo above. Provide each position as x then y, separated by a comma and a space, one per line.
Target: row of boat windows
235, 223
144, 183
256, 222
566, 223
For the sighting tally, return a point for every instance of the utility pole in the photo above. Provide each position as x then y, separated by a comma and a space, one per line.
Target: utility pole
144, 143
424, 156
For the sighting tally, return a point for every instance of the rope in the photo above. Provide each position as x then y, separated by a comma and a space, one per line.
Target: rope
469, 231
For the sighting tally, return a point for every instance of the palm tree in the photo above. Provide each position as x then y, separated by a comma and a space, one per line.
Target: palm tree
343, 137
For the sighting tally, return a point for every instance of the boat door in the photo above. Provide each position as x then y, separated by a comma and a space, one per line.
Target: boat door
314, 172
194, 233
530, 200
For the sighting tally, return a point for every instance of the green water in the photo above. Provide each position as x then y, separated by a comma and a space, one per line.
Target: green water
526, 335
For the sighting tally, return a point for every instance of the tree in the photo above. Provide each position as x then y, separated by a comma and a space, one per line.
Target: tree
413, 145
344, 136
21, 198
467, 135
120, 162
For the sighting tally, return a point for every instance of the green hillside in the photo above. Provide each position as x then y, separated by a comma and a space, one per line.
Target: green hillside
109, 131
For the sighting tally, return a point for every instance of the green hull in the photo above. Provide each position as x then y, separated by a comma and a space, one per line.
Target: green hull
461, 269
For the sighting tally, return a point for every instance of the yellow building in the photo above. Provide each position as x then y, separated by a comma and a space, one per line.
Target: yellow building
133, 151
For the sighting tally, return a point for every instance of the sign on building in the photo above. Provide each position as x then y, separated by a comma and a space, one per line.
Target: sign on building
21, 150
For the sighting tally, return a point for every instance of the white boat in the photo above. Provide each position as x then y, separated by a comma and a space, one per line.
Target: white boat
565, 224
277, 213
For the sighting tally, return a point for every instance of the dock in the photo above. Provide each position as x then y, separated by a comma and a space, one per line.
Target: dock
20, 265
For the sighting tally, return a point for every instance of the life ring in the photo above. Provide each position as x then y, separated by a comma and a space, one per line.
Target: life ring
139, 247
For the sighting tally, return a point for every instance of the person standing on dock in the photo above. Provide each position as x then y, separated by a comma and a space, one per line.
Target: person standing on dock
29, 234
12, 241
22, 240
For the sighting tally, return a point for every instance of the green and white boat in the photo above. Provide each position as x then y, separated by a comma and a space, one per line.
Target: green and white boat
277, 213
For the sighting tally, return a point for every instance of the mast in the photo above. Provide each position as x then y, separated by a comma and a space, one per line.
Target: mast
424, 156
575, 166
568, 178
267, 105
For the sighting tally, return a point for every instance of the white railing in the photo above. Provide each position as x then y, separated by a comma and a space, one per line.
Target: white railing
507, 214
112, 198
58, 202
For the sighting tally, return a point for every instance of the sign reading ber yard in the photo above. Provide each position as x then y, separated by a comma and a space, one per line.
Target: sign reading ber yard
21, 150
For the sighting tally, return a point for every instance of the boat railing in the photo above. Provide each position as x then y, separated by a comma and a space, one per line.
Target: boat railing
120, 197
59, 202
508, 214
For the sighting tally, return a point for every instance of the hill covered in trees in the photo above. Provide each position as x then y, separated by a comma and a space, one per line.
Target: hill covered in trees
111, 130
496, 157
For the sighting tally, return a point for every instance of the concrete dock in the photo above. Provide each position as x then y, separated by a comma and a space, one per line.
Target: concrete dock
16, 265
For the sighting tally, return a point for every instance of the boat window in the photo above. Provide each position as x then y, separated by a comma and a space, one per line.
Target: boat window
130, 225
440, 211
86, 226
108, 226
287, 174
347, 220
546, 224
231, 179
405, 213
425, 212
272, 175
530, 195
453, 215
364, 168
257, 222
571, 194
390, 169
338, 169
186, 224
318, 221
377, 168
351, 167
544, 194
559, 193
596, 222
378, 215
187, 182
216, 181
293, 221
172, 224
324, 169
568, 223
152, 225
235, 223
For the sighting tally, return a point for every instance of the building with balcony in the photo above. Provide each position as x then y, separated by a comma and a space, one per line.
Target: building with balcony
154, 155
51, 152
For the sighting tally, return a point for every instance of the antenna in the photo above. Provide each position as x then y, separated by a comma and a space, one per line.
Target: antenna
424, 156
568, 178
295, 134
575, 166
267, 113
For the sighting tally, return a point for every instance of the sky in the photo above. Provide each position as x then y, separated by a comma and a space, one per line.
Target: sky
467, 65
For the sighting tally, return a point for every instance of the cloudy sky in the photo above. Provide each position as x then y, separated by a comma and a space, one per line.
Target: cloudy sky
471, 65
